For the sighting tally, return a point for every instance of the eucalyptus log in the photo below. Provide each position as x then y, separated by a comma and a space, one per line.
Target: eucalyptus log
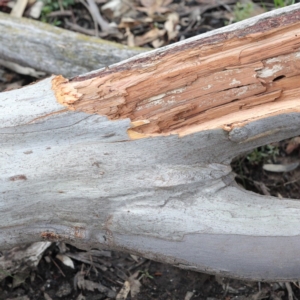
136, 157
54, 50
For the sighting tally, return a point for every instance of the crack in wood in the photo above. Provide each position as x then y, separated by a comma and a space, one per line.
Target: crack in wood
196, 89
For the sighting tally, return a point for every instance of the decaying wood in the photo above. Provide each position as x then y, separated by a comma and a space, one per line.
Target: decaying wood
54, 50
21, 259
136, 157
222, 80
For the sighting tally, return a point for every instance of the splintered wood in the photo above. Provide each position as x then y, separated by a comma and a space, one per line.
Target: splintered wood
220, 81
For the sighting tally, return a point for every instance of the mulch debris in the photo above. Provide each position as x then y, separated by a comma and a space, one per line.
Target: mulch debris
99, 274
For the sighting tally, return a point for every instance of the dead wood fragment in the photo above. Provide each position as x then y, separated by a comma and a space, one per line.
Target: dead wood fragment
21, 259
72, 168
222, 82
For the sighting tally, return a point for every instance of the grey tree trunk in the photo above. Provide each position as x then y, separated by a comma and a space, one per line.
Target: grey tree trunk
54, 50
136, 157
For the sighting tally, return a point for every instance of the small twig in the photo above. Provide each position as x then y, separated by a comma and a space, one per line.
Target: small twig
92, 264
80, 29
137, 265
290, 291
292, 181
60, 5
58, 267
262, 187
297, 285
109, 279
58, 13
225, 290
93, 17
94, 10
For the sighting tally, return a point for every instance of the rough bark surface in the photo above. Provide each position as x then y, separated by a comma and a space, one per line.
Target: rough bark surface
136, 157
54, 50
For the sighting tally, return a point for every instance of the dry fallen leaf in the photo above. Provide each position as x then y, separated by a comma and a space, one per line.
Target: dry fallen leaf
149, 36
20, 278
292, 145
89, 285
135, 258
92, 257
171, 25
35, 10
67, 261
280, 167
123, 293
19, 8
130, 38
47, 297
158, 43
131, 285
79, 280
129, 23
189, 295
116, 8
154, 6
80, 297
135, 285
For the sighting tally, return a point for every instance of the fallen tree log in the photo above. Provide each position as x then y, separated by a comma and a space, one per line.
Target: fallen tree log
136, 157
54, 50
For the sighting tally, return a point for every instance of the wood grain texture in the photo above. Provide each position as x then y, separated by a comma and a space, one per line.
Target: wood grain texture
74, 175
221, 79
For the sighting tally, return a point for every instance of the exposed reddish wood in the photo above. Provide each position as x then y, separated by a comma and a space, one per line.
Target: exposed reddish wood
216, 83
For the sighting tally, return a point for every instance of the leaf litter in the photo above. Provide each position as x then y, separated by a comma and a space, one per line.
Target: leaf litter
153, 23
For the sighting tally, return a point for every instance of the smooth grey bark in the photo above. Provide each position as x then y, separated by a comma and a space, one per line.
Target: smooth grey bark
78, 177
54, 50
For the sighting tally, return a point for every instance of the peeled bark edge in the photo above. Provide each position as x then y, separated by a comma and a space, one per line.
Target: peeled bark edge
222, 79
